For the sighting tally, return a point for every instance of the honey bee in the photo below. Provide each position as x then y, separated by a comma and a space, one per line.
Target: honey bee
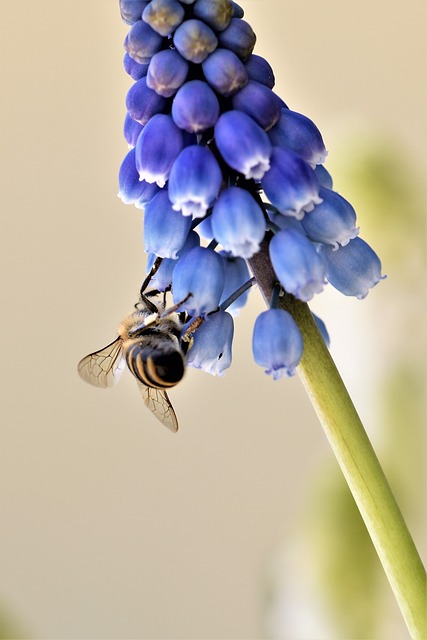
151, 345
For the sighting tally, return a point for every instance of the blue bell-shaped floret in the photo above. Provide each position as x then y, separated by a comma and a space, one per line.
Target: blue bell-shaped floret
157, 148
298, 266
259, 102
353, 269
162, 279
243, 144
298, 133
238, 222
194, 181
212, 344
277, 343
333, 221
142, 102
291, 184
132, 190
198, 281
165, 230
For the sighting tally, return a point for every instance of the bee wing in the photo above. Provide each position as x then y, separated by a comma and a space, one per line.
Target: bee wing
159, 404
103, 368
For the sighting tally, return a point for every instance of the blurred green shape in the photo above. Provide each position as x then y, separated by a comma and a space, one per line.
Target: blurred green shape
10, 629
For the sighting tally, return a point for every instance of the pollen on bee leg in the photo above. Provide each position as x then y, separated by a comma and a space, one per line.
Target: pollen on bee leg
150, 319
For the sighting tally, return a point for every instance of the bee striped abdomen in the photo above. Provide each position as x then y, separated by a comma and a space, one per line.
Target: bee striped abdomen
159, 366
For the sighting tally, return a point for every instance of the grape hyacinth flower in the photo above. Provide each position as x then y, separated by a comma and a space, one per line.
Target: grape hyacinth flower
251, 178
213, 145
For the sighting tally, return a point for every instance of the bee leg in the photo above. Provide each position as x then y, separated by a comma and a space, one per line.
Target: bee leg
175, 306
186, 339
247, 285
153, 270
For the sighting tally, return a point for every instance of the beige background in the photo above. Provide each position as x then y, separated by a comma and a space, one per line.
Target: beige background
110, 526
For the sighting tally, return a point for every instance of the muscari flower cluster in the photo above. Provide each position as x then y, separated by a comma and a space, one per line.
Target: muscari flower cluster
219, 163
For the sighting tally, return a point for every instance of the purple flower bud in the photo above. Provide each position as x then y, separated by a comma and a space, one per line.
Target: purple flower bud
298, 266
237, 10
131, 130
157, 148
131, 10
243, 144
238, 222
225, 72
162, 279
216, 14
259, 102
167, 72
165, 230
332, 221
238, 37
236, 274
353, 269
212, 342
195, 40
195, 107
277, 343
133, 68
291, 184
324, 177
298, 133
195, 181
131, 188
163, 15
142, 42
201, 273
259, 69
142, 102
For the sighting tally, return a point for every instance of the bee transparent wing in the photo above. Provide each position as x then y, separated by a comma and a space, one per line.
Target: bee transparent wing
103, 368
159, 404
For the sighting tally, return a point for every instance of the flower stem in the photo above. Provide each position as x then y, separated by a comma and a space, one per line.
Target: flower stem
356, 457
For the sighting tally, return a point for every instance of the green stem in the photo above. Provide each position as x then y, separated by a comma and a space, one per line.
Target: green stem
356, 457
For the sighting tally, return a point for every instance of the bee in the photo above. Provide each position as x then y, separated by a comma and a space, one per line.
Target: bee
151, 345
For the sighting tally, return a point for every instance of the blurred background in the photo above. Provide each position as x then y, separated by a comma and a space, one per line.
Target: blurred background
241, 526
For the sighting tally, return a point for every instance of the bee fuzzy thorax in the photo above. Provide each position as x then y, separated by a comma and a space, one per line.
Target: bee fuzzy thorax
135, 322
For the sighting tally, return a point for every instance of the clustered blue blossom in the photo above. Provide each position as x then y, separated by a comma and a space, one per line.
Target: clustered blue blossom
220, 163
